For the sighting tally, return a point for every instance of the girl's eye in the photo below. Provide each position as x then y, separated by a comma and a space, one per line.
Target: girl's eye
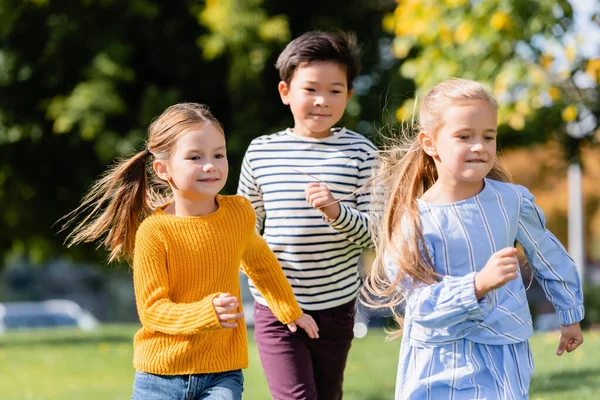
463, 137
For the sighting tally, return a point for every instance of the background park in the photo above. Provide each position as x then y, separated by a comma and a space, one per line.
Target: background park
80, 80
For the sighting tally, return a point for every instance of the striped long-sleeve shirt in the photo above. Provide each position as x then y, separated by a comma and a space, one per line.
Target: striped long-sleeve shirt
318, 257
456, 347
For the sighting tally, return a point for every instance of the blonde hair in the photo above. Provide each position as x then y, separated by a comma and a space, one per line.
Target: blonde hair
406, 173
124, 195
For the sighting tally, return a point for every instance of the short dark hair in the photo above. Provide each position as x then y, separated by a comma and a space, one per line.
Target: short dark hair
339, 47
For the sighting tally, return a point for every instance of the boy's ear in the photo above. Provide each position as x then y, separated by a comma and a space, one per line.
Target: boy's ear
427, 144
349, 96
160, 168
284, 92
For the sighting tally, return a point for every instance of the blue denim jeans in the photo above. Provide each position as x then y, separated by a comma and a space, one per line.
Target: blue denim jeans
218, 386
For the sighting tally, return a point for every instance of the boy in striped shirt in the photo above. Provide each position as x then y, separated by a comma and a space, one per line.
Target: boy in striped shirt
307, 187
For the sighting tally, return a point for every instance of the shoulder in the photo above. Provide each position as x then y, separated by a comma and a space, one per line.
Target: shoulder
266, 140
507, 189
355, 139
238, 205
151, 228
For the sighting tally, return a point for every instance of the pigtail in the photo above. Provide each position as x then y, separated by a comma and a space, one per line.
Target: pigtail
113, 208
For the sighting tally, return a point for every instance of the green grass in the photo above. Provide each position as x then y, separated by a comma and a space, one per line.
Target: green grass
67, 364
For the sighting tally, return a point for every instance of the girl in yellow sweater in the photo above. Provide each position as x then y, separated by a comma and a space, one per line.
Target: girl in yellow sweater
186, 244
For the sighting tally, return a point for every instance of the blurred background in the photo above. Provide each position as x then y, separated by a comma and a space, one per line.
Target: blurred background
80, 81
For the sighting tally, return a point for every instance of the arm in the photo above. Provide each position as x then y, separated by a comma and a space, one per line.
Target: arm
551, 264
449, 305
261, 265
353, 223
249, 188
151, 285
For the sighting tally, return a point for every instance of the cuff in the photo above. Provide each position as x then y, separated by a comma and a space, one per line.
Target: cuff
570, 316
476, 309
341, 219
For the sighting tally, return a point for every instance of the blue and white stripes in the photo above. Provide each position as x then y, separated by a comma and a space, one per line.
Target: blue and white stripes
455, 347
318, 257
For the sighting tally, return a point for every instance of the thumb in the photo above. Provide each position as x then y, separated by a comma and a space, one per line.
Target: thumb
562, 345
292, 327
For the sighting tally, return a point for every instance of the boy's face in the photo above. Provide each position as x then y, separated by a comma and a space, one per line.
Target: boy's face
317, 95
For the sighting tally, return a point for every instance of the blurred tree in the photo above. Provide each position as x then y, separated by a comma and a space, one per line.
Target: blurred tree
80, 80
525, 50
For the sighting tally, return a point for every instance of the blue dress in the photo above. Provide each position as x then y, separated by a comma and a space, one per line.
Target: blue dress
456, 347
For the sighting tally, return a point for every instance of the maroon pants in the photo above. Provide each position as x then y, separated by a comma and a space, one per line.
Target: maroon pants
298, 367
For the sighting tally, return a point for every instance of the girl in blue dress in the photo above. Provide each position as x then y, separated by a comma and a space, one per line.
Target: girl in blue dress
446, 253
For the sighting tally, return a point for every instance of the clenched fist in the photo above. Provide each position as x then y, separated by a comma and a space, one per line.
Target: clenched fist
502, 267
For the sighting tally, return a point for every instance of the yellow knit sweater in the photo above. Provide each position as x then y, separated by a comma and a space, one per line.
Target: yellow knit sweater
180, 265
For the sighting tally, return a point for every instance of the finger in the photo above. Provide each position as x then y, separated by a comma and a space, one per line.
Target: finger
573, 344
561, 347
225, 302
225, 310
292, 327
231, 317
506, 252
229, 324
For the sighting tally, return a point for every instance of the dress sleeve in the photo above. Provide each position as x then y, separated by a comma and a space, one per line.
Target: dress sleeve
551, 264
444, 311
156, 310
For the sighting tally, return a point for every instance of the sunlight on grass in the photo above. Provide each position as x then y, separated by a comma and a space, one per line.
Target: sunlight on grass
67, 364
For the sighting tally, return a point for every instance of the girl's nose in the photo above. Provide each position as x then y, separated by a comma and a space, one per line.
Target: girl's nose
208, 167
477, 147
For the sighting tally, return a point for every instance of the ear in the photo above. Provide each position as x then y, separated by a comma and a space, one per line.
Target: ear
349, 96
427, 144
161, 169
284, 92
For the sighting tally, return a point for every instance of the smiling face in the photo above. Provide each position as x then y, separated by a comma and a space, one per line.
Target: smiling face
317, 95
464, 147
197, 168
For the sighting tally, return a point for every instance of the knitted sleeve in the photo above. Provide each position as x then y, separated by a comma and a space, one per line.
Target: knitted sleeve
157, 312
261, 265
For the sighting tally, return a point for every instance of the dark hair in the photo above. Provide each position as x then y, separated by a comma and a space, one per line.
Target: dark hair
311, 46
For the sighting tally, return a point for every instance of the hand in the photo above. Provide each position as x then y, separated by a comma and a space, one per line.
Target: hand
225, 306
319, 196
307, 323
502, 267
570, 338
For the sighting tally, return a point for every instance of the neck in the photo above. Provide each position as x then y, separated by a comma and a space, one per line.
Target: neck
302, 131
182, 207
446, 191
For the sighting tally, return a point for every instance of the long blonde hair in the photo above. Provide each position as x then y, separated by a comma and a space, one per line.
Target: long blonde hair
406, 173
128, 191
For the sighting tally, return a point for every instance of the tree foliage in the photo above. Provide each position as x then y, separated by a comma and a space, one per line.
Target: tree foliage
525, 50
80, 81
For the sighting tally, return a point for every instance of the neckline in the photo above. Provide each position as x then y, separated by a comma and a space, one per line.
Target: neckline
220, 206
335, 133
460, 202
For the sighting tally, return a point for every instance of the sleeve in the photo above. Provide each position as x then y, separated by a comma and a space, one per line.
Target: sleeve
249, 188
261, 265
157, 312
449, 305
355, 223
551, 264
